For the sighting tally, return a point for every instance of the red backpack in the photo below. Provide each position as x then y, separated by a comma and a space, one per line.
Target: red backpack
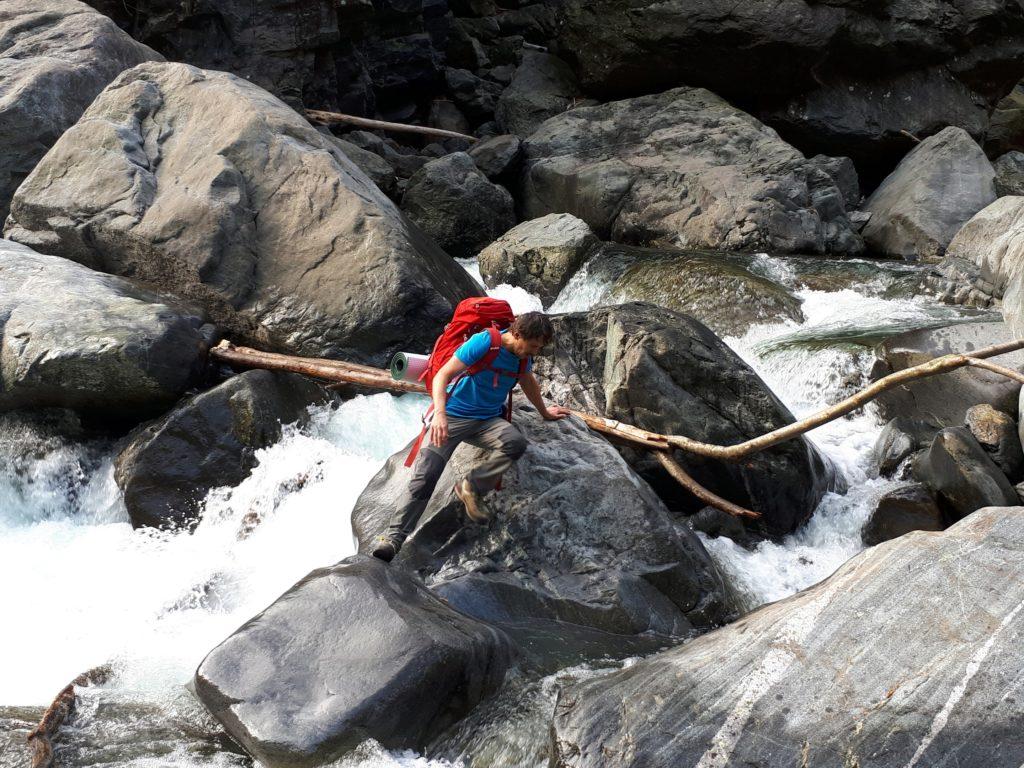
471, 316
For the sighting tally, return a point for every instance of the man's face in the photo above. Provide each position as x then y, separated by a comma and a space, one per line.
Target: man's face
523, 347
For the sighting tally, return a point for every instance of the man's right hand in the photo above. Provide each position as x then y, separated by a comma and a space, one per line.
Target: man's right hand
439, 429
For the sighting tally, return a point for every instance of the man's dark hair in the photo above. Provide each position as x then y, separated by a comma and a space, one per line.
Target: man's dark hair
532, 326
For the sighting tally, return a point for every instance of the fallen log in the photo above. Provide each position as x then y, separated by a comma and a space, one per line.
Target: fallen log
40, 740
322, 116
331, 370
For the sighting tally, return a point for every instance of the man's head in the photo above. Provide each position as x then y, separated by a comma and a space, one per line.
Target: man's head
529, 333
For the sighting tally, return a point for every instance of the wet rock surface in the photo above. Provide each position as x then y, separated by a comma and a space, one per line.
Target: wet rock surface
962, 475
354, 651
209, 187
683, 168
944, 399
765, 690
693, 282
576, 537
911, 508
71, 337
899, 439
666, 372
55, 57
934, 191
168, 466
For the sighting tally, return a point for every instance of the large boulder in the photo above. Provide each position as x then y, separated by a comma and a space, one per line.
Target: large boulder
934, 191
906, 509
71, 337
962, 475
168, 466
944, 400
209, 187
542, 87
667, 373
576, 537
903, 657
539, 255
683, 168
842, 77
691, 282
55, 57
352, 652
453, 202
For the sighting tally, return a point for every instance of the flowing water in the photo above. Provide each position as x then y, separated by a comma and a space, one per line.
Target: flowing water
81, 588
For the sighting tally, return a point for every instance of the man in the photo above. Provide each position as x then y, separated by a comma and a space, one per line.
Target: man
471, 411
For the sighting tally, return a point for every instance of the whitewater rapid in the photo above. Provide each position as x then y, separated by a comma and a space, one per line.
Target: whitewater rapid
85, 589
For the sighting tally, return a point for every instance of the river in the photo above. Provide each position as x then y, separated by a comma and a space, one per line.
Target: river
83, 589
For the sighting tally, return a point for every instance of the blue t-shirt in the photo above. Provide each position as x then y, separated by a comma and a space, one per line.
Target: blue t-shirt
476, 397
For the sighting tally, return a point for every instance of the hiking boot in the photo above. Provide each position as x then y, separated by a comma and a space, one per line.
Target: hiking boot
385, 549
475, 509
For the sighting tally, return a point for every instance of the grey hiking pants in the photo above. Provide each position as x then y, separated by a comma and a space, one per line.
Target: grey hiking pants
506, 445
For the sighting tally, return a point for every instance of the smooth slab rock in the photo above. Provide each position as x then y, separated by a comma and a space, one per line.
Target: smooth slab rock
542, 87
683, 168
539, 255
356, 651
667, 373
209, 441
840, 77
209, 187
576, 537
55, 56
454, 203
905, 656
996, 432
944, 400
906, 509
962, 475
934, 191
74, 338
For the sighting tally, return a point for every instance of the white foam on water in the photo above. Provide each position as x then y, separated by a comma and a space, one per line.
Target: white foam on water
93, 590
519, 299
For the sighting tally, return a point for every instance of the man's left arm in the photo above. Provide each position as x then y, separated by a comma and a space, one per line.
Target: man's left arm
532, 391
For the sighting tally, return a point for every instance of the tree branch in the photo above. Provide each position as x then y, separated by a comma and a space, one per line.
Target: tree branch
322, 116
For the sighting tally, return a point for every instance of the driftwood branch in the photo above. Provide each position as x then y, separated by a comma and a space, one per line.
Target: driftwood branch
40, 740
331, 370
322, 116
943, 364
675, 469
653, 441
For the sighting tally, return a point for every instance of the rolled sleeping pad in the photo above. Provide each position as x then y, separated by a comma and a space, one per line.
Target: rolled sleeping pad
408, 367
